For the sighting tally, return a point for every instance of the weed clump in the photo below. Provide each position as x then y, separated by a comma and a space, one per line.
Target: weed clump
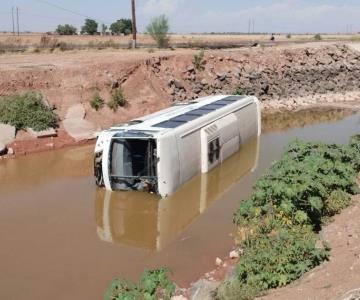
96, 102
117, 100
337, 201
238, 92
198, 61
152, 285
27, 110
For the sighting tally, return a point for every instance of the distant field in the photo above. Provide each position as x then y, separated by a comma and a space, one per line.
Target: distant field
25, 41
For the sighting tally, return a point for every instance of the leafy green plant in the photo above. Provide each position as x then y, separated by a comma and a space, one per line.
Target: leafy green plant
238, 92
27, 110
198, 61
337, 201
96, 102
278, 222
273, 260
303, 179
117, 100
154, 284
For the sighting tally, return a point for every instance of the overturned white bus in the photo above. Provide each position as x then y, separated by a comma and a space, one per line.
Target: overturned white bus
160, 152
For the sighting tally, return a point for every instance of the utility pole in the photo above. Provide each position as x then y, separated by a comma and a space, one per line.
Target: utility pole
133, 23
253, 26
249, 28
12, 18
17, 19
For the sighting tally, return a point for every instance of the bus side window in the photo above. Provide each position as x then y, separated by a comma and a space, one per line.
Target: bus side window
214, 150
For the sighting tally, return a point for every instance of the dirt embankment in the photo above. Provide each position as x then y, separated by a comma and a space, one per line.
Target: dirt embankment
282, 78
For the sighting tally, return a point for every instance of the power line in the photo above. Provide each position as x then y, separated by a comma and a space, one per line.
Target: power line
70, 11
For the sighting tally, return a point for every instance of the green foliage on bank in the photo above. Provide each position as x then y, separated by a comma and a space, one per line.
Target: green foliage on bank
152, 285
278, 223
117, 100
198, 61
96, 102
27, 110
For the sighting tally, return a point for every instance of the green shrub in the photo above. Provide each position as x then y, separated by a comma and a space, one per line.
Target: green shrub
234, 290
337, 201
27, 110
278, 222
152, 285
318, 37
96, 102
238, 92
288, 36
158, 29
355, 142
303, 179
273, 260
117, 100
198, 61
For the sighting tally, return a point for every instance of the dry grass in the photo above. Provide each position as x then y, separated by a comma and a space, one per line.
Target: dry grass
9, 42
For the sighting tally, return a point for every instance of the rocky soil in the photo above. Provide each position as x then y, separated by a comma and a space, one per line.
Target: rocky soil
282, 77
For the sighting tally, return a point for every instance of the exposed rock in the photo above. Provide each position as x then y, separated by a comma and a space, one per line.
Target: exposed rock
7, 133
234, 254
80, 129
76, 111
218, 261
190, 69
114, 84
3, 149
76, 126
197, 89
220, 76
171, 82
51, 132
10, 151
204, 82
179, 298
203, 290
178, 84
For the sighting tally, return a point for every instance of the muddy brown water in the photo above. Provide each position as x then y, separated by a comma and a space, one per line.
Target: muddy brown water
63, 238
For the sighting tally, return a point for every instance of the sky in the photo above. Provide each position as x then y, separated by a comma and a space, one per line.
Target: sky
192, 16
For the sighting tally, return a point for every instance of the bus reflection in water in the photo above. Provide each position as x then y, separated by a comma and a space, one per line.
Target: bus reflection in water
142, 220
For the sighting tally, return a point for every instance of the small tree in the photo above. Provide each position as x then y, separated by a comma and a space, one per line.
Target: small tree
90, 26
122, 26
318, 37
66, 29
158, 29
